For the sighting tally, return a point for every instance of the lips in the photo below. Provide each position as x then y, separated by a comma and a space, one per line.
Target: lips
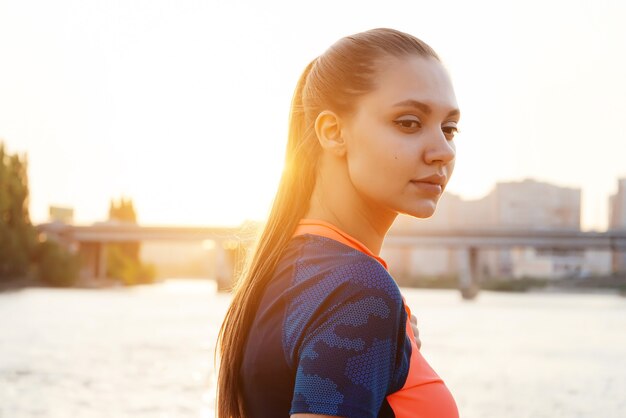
430, 188
432, 184
437, 179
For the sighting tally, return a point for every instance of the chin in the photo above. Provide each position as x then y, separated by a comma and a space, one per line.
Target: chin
422, 211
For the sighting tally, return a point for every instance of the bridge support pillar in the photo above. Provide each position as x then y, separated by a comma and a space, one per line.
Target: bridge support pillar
469, 272
101, 261
223, 272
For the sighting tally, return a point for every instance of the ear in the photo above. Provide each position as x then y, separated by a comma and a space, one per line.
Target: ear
328, 130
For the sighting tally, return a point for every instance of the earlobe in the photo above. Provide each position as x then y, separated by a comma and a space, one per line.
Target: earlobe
328, 131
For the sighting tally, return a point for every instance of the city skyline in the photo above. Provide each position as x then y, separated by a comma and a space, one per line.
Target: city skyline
440, 218
168, 103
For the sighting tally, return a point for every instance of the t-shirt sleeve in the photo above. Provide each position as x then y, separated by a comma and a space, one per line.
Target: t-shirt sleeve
351, 345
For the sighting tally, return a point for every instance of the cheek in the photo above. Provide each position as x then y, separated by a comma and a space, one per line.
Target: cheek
381, 165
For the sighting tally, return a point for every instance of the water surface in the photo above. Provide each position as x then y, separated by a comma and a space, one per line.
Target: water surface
148, 351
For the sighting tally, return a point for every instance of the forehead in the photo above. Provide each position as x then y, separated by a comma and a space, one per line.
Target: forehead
412, 78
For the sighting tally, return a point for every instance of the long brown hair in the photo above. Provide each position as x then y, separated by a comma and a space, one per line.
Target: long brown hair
332, 81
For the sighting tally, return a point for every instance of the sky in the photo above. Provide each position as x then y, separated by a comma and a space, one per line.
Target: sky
183, 105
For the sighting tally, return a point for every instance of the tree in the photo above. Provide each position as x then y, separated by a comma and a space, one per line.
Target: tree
124, 211
18, 238
57, 266
123, 260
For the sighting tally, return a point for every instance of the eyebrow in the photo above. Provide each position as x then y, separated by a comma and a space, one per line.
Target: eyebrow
424, 107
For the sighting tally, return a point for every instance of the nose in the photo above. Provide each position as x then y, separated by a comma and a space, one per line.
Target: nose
439, 149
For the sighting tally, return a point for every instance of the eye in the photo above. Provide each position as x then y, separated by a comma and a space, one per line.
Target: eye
408, 124
450, 130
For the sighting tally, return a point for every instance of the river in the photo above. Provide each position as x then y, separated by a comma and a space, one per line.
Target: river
148, 351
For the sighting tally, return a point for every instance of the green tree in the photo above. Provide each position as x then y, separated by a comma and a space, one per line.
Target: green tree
57, 266
123, 260
18, 238
124, 211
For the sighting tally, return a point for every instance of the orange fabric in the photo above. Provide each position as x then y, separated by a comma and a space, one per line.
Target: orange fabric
328, 230
424, 394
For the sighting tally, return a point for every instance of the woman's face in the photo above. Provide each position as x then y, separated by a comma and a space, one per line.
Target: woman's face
402, 132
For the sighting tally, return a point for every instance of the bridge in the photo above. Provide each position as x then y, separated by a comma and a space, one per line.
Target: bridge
468, 242
91, 240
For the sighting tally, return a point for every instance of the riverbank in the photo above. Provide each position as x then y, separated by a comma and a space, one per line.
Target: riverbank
8, 285
605, 284
596, 285
15, 284
615, 284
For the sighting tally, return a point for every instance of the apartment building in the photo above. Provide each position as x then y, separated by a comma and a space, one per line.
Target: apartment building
526, 204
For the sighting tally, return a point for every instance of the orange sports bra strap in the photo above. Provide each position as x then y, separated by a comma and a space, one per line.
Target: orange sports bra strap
328, 230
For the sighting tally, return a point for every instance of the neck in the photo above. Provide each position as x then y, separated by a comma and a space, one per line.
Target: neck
344, 208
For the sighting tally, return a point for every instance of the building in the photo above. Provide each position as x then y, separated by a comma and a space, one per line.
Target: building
617, 220
617, 206
534, 204
526, 204
61, 214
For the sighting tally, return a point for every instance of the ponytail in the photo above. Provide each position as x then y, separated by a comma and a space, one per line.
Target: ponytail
290, 205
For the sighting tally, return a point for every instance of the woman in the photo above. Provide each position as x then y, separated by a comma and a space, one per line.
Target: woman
317, 326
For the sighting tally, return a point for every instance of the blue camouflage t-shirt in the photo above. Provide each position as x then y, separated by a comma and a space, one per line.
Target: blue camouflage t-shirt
329, 336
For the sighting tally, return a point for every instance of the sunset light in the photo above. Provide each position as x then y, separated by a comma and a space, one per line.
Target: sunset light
448, 239
184, 107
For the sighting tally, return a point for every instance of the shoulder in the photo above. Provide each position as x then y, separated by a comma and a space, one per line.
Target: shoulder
334, 285
344, 330
325, 262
